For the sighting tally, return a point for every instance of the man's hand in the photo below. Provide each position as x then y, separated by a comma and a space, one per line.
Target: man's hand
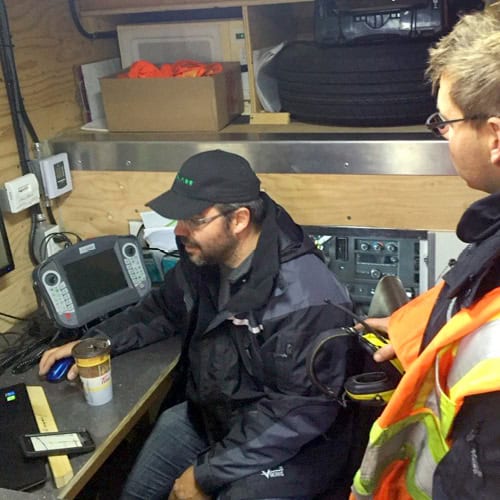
186, 488
50, 356
380, 324
384, 353
387, 352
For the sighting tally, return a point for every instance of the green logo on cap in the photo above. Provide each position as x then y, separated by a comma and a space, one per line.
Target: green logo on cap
185, 180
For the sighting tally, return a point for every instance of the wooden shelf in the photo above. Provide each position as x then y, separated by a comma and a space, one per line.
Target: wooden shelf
266, 23
113, 7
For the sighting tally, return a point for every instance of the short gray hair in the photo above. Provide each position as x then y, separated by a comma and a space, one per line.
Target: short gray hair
469, 57
256, 208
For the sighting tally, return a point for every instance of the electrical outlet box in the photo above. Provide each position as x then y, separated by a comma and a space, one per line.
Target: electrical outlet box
51, 247
134, 226
44, 244
20, 193
56, 176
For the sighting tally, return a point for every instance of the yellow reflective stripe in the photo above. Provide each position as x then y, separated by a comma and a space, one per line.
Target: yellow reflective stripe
399, 441
375, 396
412, 479
358, 489
484, 377
441, 404
385, 446
482, 344
432, 448
448, 410
376, 432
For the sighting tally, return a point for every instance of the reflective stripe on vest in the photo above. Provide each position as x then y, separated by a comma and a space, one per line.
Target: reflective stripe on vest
419, 437
482, 346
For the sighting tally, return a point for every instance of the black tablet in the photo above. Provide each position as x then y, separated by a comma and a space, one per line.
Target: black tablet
16, 418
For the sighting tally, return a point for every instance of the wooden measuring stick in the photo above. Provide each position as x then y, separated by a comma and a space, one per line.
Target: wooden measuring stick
61, 468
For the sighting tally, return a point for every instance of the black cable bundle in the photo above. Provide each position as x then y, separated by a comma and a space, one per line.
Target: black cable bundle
92, 36
19, 115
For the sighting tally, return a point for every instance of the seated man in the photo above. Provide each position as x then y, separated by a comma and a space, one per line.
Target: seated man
250, 296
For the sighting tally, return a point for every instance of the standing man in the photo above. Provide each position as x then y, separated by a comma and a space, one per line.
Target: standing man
250, 297
439, 436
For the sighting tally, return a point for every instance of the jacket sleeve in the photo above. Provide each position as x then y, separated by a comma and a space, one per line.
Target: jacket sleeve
293, 411
157, 316
471, 467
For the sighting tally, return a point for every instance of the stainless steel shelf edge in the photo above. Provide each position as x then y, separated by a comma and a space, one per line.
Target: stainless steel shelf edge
397, 154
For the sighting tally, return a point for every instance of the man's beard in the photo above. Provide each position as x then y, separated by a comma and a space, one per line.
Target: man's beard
217, 252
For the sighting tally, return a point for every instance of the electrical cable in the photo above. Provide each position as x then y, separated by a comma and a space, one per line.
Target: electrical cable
26, 119
17, 354
332, 393
356, 317
59, 237
11, 347
12, 86
33, 355
27, 362
140, 235
20, 118
50, 214
13, 317
171, 253
76, 20
373, 387
32, 236
19, 115
5, 338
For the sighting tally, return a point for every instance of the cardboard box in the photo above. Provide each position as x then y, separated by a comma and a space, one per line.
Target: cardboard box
173, 104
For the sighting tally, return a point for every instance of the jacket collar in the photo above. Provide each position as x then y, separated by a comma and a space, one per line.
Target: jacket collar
481, 220
479, 226
281, 239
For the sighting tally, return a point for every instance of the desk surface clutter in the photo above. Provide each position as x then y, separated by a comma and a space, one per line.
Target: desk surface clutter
140, 380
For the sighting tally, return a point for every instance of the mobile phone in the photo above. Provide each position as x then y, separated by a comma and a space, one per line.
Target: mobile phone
57, 443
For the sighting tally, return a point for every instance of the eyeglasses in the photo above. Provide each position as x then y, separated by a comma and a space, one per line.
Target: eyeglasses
197, 222
439, 126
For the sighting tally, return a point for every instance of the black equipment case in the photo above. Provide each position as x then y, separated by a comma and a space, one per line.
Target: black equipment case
347, 21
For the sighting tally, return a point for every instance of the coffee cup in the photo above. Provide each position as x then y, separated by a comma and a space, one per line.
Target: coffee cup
93, 359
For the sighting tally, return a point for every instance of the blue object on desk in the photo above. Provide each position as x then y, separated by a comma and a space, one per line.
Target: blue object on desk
59, 369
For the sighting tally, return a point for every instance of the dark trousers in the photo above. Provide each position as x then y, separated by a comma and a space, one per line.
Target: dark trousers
171, 448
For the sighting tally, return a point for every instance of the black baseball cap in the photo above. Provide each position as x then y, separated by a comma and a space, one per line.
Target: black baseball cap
206, 179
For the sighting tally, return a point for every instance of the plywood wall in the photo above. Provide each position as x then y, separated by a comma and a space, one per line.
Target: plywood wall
104, 202
47, 46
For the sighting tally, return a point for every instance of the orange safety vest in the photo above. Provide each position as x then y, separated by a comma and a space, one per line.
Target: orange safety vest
411, 436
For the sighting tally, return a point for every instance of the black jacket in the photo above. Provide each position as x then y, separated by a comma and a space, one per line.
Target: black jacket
471, 469
247, 382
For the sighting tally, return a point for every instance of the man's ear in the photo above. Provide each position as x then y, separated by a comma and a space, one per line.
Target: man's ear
240, 219
494, 127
